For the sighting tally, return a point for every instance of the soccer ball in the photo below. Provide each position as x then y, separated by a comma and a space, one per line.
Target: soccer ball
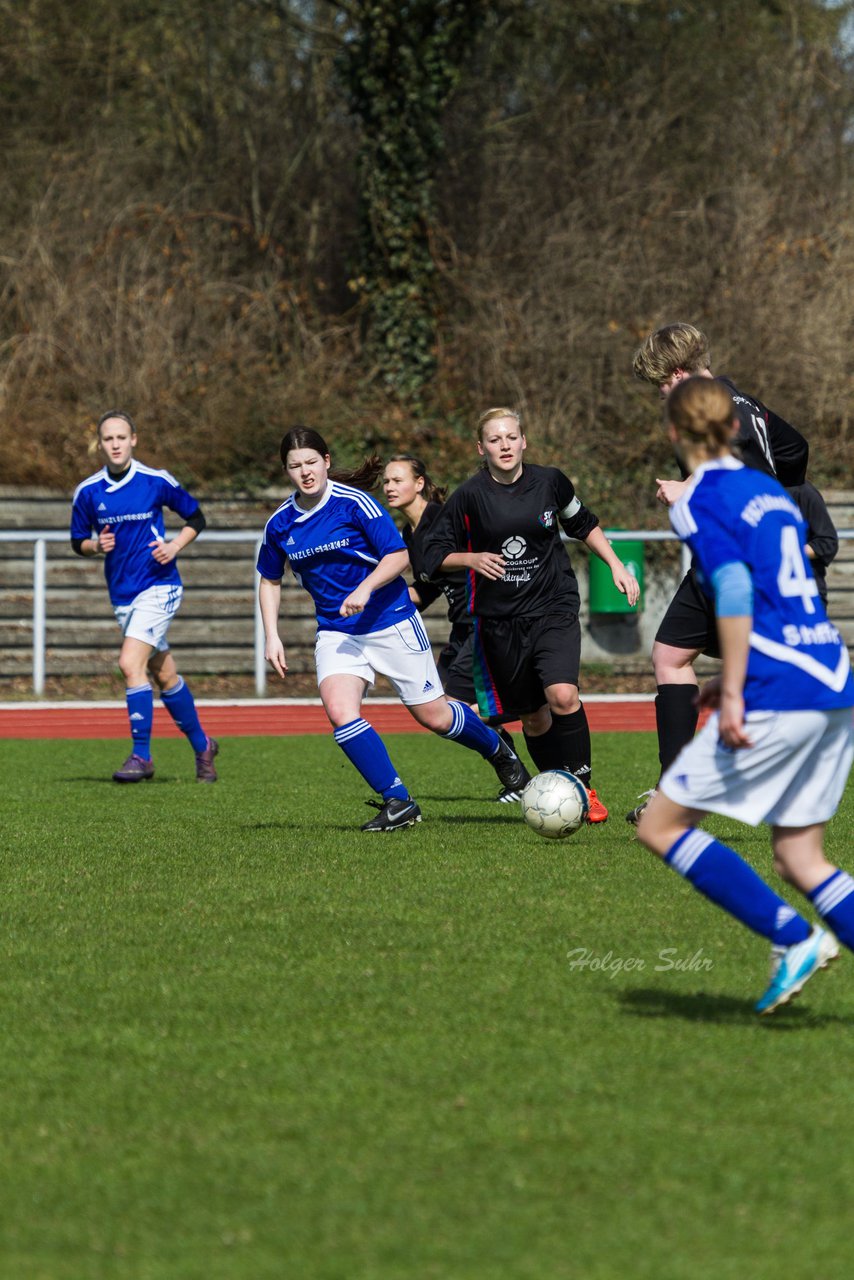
555, 804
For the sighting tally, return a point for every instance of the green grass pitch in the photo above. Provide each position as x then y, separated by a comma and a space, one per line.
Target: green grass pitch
242, 1040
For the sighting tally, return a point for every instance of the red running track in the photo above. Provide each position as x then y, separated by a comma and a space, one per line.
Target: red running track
267, 718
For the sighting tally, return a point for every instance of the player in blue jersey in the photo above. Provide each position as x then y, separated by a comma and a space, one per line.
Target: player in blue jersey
763, 440
779, 745
117, 513
348, 554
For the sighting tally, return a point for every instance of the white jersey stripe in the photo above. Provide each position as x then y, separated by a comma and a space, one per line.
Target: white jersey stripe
153, 471
834, 680
364, 500
84, 484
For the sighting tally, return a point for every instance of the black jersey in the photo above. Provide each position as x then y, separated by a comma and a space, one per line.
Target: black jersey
521, 522
766, 441
451, 585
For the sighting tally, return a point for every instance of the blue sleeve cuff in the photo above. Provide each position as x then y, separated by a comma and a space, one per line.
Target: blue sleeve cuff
733, 588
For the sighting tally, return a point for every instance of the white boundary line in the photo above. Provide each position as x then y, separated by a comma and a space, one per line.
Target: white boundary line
39, 705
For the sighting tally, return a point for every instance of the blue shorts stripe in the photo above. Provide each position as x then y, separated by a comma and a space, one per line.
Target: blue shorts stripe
420, 631
488, 697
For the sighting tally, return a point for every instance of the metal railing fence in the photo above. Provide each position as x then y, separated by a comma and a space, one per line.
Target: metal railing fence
41, 537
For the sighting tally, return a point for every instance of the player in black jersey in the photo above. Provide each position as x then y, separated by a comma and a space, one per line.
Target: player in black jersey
763, 440
502, 527
822, 538
409, 489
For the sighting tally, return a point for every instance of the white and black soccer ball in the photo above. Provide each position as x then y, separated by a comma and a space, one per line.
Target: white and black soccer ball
555, 804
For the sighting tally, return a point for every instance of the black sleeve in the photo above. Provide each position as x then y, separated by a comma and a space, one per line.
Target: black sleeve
751, 441
428, 592
446, 535
766, 441
77, 546
821, 531
791, 451
197, 520
576, 520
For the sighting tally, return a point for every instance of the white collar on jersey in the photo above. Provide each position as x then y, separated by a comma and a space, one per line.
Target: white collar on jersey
728, 463
318, 506
113, 485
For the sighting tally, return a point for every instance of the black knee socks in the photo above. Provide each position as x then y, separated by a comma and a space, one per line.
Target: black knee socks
675, 718
565, 745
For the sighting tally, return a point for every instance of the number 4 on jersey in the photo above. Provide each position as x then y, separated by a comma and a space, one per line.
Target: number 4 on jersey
792, 577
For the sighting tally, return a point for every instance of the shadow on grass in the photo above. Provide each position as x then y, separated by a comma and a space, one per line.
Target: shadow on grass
428, 821
701, 1006
107, 779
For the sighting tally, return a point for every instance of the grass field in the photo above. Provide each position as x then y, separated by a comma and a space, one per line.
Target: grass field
243, 1040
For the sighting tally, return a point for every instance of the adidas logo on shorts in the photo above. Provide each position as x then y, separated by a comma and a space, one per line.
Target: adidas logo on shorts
427, 687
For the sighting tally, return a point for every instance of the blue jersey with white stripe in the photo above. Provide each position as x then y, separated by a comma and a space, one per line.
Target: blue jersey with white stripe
132, 509
331, 549
797, 658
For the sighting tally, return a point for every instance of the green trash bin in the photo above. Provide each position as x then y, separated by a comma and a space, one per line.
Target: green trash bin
604, 596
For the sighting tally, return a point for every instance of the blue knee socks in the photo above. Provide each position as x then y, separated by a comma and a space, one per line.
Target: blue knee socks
469, 730
365, 749
834, 902
726, 879
140, 704
181, 706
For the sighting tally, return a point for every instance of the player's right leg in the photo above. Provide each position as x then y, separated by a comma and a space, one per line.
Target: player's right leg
133, 662
676, 711
791, 777
669, 829
343, 675
687, 629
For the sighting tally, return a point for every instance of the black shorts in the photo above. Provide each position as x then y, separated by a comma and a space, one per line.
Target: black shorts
455, 663
515, 659
689, 622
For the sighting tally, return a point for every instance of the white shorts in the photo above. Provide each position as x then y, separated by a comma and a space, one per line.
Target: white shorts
793, 775
401, 653
149, 614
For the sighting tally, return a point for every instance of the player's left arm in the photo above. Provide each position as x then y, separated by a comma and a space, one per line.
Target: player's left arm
733, 588
790, 449
165, 552
822, 538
